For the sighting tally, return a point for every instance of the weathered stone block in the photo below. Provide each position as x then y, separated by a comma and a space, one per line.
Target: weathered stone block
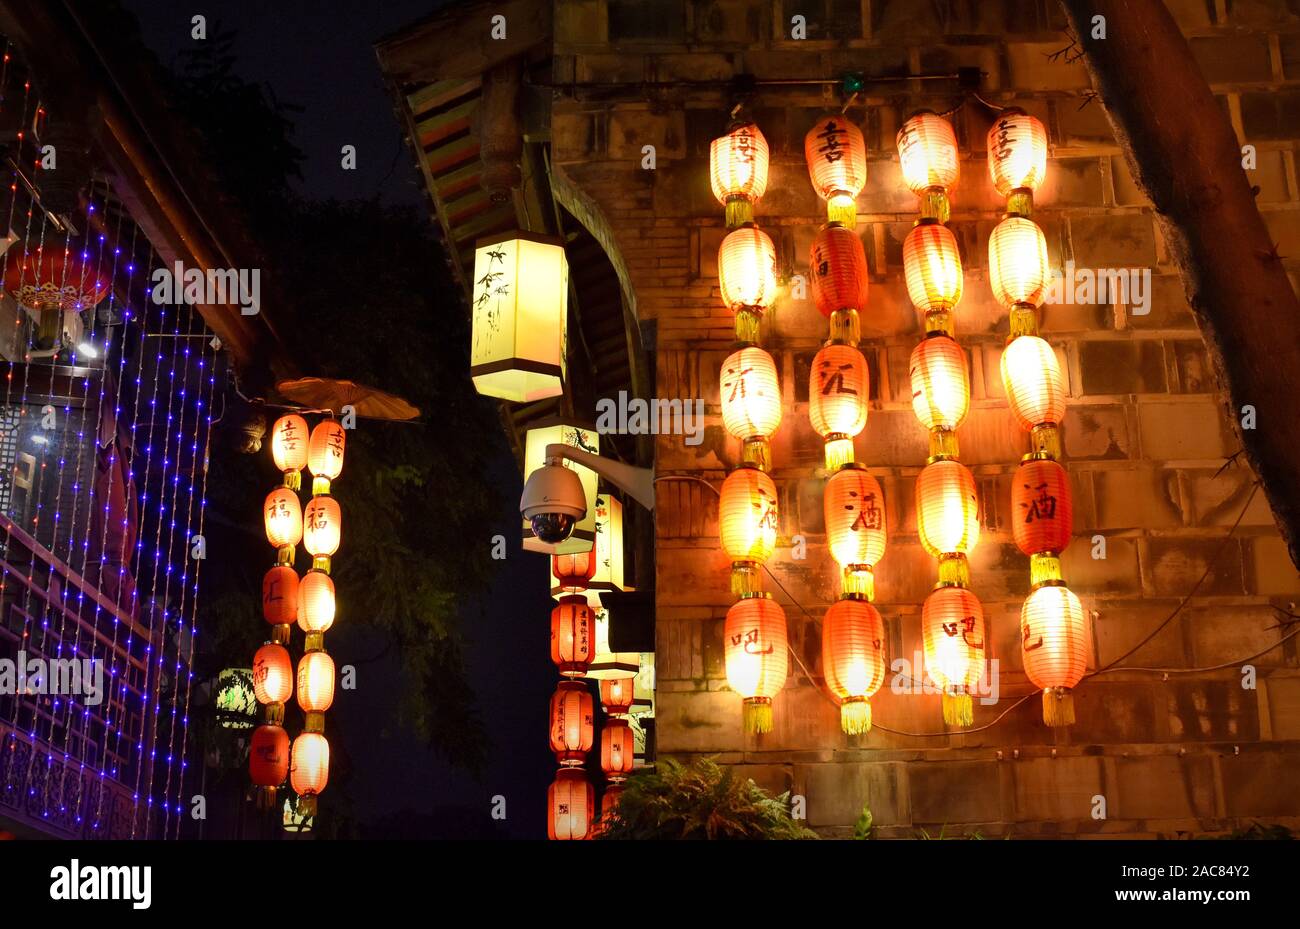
949, 793
1162, 787
725, 22
1260, 783
1115, 575
1270, 571
647, 20
1224, 634
1121, 240
1122, 366
1192, 428
1270, 115
838, 792
698, 721
1171, 566
1119, 626
1097, 431
1055, 789
1148, 498
580, 22
1211, 711
1043, 66
630, 129
1232, 59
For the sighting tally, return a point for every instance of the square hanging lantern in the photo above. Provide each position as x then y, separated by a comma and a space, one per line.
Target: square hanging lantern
608, 664
608, 551
561, 432
521, 311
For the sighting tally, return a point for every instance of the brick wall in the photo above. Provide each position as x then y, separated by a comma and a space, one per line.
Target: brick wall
1145, 435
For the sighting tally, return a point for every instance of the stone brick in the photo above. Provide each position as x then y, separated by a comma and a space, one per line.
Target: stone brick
611, 68
1091, 577
1146, 498
1071, 182
1117, 711
1269, 569
838, 792
1232, 59
726, 22
1290, 48
1214, 498
630, 129
1055, 789
949, 793
580, 22
705, 721
1119, 626
1096, 431
1167, 306
1233, 633
1038, 67
1262, 13
895, 21
1260, 783
1190, 367
1162, 787
1211, 711
1082, 125
1172, 566
1190, 14
1283, 695
1122, 367
1168, 432
1270, 176
1116, 241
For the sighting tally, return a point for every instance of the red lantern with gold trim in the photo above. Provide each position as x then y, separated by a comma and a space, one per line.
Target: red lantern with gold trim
280, 595
617, 750
617, 694
755, 655
570, 802
838, 267
282, 514
836, 154
322, 530
573, 573
268, 761
317, 606
1018, 268
853, 659
1042, 508
272, 674
952, 634
1054, 648
839, 385
573, 636
289, 444
854, 510
572, 722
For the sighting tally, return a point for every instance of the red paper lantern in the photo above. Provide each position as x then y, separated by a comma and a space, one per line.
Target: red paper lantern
947, 508
1054, 648
617, 694
268, 756
572, 722
617, 749
952, 634
838, 388
1032, 379
309, 771
927, 153
932, 268
838, 267
748, 518
1017, 152
316, 601
57, 284
853, 659
837, 163
1018, 269
755, 647
738, 165
940, 383
289, 444
574, 572
325, 454
573, 636
570, 803
1042, 510
272, 674
854, 510
280, 591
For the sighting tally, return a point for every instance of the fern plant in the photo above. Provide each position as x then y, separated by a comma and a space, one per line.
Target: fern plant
699, 801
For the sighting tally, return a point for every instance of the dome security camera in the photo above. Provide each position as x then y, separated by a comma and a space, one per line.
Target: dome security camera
553, 501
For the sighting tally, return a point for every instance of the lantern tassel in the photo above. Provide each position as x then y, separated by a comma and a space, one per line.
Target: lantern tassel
839, 452
1058, 707
758, 452
293, 479
758, 715
842, 210
264, 797
855, 717
739, 212
745, 579
958, 709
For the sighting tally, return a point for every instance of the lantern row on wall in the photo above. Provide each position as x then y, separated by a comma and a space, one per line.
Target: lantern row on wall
947, 517
310, 602
1053, 635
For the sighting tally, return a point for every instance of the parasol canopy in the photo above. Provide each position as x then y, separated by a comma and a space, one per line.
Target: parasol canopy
319, 393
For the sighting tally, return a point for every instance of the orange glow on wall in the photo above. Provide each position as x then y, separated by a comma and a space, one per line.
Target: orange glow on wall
755, 654
1017, 145
940, 383
952, 635
280, 594
571, 803
932, 267
1032, 379
947, 508
1018, 269
316, 603
572, 722
838, 269
1054, 648
572, 636
853, 659
1042, 508
272, 674
837, 164
927, 153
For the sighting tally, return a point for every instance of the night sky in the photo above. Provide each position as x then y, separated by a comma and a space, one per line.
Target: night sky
318, 55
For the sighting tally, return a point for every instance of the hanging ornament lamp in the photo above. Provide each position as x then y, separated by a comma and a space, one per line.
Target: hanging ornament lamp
617, 750
838, 389
273, 679
573, 717
738, 163
570, 802
521, 310
940, 390
1017, 145
952, 635
1054, 648
316, 603
1018, 268
836, 154
853, 659
289, 443
927, 154
755, 646
315, 688
854, 510
322, 526
282, 515
947, 516
268, 762
280, 593
572, 574
1042, 515
325, 454
748, 518
309, 770
840, 280
751, 402
55, 285
572, 636
747, 278
933, 271
1032, 379
617, 694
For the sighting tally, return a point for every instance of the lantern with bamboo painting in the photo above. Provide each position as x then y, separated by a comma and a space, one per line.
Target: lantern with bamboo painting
289, 443
747, 513
837, 163
932, 270
273, 679
927, 154
838, 388
617, 694
572, 636
325, 454
952, 634
280, 592
1017, 144
322, 528
940, 390
738, 163
1018, 270
854, 509
1054, 648
572, 720
316, 603
571, 803
1035, 390
1042, 515
838, 269
521, 310
853, 659
309, 770
315, 688
947, 516
747, 278
754, 651
560, 431
268, 762
617, 750
282, 515
751, 402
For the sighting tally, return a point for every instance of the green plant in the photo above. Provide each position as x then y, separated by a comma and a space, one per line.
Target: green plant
699, 801
862, 828
1260, 832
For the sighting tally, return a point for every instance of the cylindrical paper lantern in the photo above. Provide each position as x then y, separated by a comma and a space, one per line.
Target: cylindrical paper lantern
280, 591
927, 153
1042, 510
747, 277
1017, 152
952, 634
316, 682
755, 646
617, 750
1033, 382
738, 163
325, 454
572, 720
1054, 648
617, 694
316, 603
837, 163
854, 510
947, 508
572, 636
1018, 271
272, 674
748, 518
289, 443
283, 518
309, 770
322, 527
574, 572
838, 267
571, 802
853, 659
940, 383
932, 267
751, 396
838, 388
268, 760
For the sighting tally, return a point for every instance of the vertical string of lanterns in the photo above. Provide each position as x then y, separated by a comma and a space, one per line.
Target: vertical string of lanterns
1052, 629
946, 503
853, 658
571, 798
755, 628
